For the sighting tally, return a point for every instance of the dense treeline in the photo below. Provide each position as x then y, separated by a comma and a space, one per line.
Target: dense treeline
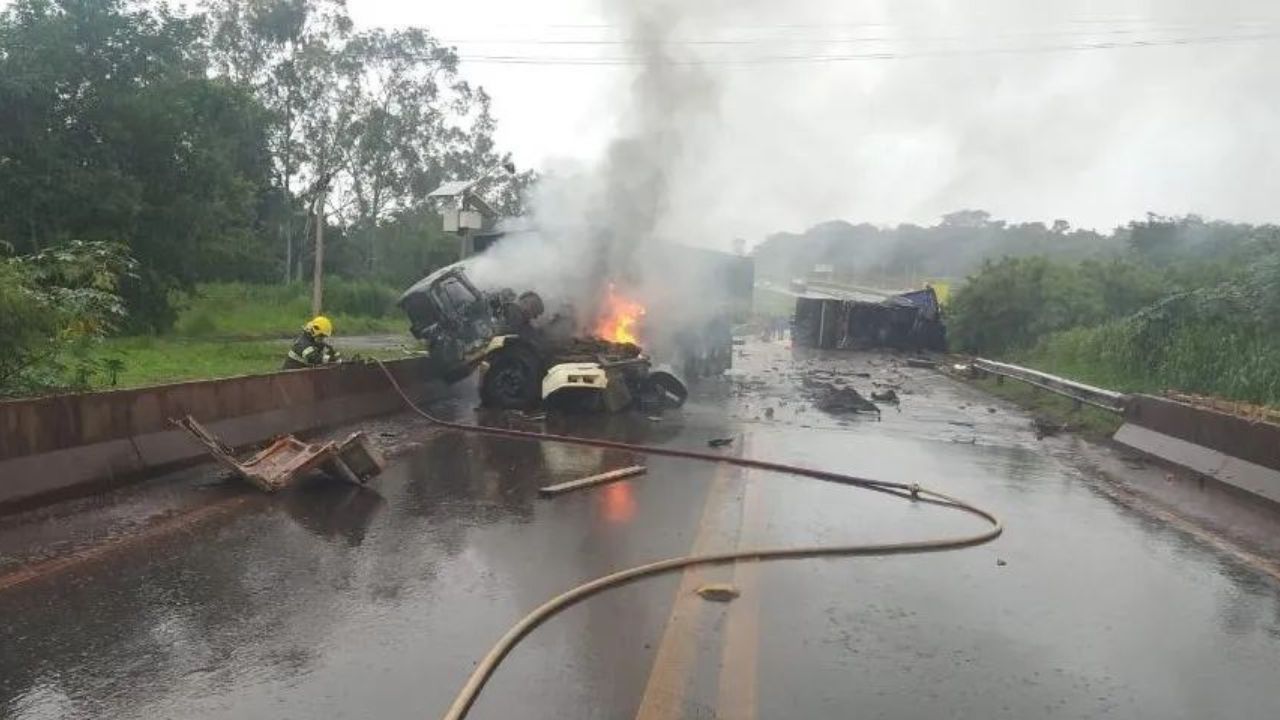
907, 254
207, 144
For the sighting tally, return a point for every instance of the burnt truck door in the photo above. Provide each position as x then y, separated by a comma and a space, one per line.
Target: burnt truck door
452, 318
467, 325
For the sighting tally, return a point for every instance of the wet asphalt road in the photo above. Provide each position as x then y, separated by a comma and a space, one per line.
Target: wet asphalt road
328, 602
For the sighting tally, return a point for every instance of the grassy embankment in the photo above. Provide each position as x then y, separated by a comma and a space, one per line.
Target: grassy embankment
1220, 360
1220, 356
1200, 327
230, 329
1087, 421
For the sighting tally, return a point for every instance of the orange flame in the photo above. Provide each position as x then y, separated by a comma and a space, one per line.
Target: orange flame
618, 321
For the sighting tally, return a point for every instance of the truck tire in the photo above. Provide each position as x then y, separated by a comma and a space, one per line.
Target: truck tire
513, 380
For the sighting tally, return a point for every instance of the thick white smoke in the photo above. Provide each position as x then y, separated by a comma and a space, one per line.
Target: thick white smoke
1168, 107
1093, 111
613, 223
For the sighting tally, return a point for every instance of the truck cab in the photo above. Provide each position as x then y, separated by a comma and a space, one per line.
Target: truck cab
454, 320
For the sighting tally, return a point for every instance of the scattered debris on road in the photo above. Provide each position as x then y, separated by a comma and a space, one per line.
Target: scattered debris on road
287, 458
592, 480
885, 396
718, 592
719, 442
1046, 427
845, 400
1000, 562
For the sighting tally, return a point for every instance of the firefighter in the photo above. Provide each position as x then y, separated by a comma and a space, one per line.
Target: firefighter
311, 348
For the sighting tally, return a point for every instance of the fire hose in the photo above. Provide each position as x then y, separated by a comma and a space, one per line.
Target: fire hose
489, 664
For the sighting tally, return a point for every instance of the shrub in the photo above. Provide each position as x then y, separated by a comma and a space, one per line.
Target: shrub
55, 306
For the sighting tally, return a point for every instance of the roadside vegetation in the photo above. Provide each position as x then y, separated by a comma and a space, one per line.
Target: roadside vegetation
164, 170
1087, 421
225, 329
1177, 304
243, 311
60, 310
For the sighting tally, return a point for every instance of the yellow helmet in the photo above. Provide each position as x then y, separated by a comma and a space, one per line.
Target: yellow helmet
320, 326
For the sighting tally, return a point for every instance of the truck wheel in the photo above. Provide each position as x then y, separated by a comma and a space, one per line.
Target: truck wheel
513, 380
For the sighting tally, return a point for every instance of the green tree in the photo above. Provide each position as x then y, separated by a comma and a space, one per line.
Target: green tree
112, 131
282, 51
365, 124
55, 305
1011, 303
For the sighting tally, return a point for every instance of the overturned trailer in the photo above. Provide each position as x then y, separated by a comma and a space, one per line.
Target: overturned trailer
909, 321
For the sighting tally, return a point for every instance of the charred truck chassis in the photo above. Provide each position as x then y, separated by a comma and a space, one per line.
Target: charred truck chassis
464, 328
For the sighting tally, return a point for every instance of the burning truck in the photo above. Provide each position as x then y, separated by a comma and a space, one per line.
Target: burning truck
587, 350
525, 358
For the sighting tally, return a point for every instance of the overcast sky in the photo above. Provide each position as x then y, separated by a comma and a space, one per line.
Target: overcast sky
964, 103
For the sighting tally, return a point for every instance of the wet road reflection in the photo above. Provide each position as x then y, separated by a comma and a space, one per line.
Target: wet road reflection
330, 601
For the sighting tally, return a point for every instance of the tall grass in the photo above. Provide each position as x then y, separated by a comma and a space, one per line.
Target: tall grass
1237, 360
243, 310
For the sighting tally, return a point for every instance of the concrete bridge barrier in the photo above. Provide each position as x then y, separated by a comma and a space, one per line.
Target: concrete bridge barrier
64, 444
1238, 451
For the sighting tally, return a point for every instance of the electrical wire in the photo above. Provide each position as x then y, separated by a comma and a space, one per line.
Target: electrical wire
814, 58
1118, 20
489, 664
844, 38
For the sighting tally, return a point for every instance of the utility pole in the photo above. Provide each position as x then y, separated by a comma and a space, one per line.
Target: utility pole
288, 251
317, 275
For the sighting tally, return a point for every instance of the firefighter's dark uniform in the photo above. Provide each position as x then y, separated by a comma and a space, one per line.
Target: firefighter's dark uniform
309, 350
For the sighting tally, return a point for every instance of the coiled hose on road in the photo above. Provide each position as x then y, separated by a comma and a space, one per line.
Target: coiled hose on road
489, 664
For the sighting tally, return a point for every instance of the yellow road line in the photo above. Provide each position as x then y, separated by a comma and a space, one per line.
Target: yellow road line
664, 694
739, 664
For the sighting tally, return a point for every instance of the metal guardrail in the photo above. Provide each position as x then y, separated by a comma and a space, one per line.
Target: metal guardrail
1103, 399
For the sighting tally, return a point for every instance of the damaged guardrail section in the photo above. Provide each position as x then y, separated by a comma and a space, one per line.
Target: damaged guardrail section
66, 443
1078, 391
